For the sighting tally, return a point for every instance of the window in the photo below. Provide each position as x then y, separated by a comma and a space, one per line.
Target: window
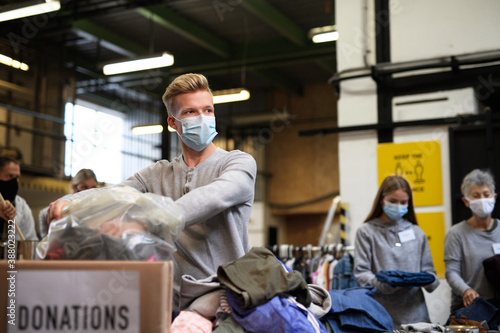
93, 141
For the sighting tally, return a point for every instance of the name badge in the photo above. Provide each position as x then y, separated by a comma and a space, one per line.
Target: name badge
496, 248
406, 236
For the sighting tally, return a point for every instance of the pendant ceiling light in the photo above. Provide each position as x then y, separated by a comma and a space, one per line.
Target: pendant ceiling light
324, 34
139, 64
28, 8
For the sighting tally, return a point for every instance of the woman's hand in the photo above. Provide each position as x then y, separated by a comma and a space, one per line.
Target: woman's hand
469, 296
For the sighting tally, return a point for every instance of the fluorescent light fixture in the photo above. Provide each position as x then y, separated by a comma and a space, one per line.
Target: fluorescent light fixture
29, 8
230, 95
147, 129
135, 65
324, 34
13, 63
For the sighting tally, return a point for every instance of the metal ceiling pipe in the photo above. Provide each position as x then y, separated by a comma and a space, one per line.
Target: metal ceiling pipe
454, 62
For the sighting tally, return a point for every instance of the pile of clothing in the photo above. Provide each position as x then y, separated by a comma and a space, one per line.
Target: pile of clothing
258, 293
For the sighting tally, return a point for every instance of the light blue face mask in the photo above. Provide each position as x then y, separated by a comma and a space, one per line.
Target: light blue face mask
198, 132
394, 211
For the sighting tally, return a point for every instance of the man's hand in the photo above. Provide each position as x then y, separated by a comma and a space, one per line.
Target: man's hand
469, 296
55, 210
7, 211
117, 228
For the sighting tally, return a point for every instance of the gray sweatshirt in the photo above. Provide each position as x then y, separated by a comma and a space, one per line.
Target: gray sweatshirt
216, 200
465, 249
24, 219
376, 250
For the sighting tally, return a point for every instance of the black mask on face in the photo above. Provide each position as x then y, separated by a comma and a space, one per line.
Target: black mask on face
9, 189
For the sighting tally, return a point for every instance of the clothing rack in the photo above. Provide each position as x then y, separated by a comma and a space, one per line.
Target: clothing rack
331, 266
288, 250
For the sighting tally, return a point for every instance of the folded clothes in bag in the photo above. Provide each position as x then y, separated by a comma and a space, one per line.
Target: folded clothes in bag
116, 223
405, 279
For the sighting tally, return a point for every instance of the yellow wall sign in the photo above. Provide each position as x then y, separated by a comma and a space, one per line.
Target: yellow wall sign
433, 226
419, 163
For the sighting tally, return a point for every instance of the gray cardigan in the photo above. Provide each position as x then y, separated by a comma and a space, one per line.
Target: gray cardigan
376, 250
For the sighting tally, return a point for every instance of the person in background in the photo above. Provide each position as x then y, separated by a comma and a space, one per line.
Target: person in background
15, 207
469, 242
391, 240
83, 180
213, 188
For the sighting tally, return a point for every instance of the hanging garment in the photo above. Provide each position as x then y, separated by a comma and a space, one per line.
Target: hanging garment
343, 276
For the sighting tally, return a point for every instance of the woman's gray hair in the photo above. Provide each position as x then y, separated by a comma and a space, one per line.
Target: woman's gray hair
479, 178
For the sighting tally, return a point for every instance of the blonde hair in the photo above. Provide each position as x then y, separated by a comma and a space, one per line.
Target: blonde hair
389, 185
183, 84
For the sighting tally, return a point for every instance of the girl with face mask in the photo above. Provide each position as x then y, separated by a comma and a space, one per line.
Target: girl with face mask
391, 240
470, 242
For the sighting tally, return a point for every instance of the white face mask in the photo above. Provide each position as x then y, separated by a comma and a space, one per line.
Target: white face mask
198, 132
482, 207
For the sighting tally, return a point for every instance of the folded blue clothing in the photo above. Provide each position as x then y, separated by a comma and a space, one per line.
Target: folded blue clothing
480, 310
355, 310
405, 279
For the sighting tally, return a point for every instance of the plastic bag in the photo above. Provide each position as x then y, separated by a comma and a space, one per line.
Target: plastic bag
116, 223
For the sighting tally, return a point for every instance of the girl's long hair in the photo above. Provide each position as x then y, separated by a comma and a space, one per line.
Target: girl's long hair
389, 185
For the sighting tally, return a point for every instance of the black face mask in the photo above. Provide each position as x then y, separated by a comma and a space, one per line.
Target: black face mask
9, 189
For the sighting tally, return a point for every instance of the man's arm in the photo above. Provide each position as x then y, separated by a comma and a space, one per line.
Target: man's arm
56, 207
235, 186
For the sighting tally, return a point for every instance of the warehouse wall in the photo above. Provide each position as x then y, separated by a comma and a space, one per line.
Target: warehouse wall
418, 30
302, 170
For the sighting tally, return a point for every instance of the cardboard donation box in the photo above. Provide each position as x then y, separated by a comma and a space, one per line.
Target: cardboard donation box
86, 296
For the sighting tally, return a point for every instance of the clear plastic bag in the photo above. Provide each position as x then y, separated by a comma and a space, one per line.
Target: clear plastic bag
116, 223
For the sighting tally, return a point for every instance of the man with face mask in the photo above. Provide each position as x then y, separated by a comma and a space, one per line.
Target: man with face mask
470, 242
214, 188
15, 207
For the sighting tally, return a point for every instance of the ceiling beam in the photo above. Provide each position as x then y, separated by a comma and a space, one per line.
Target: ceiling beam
327, 64
109, 39
171, 20
277, 20
280, 80
260, 61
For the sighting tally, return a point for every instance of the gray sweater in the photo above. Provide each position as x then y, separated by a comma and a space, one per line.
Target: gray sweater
465, 249
216, 200
376, 250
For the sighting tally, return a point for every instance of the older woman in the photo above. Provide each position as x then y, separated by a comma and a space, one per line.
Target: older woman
470, 242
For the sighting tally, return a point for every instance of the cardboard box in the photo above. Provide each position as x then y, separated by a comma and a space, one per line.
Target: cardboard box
86, 296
